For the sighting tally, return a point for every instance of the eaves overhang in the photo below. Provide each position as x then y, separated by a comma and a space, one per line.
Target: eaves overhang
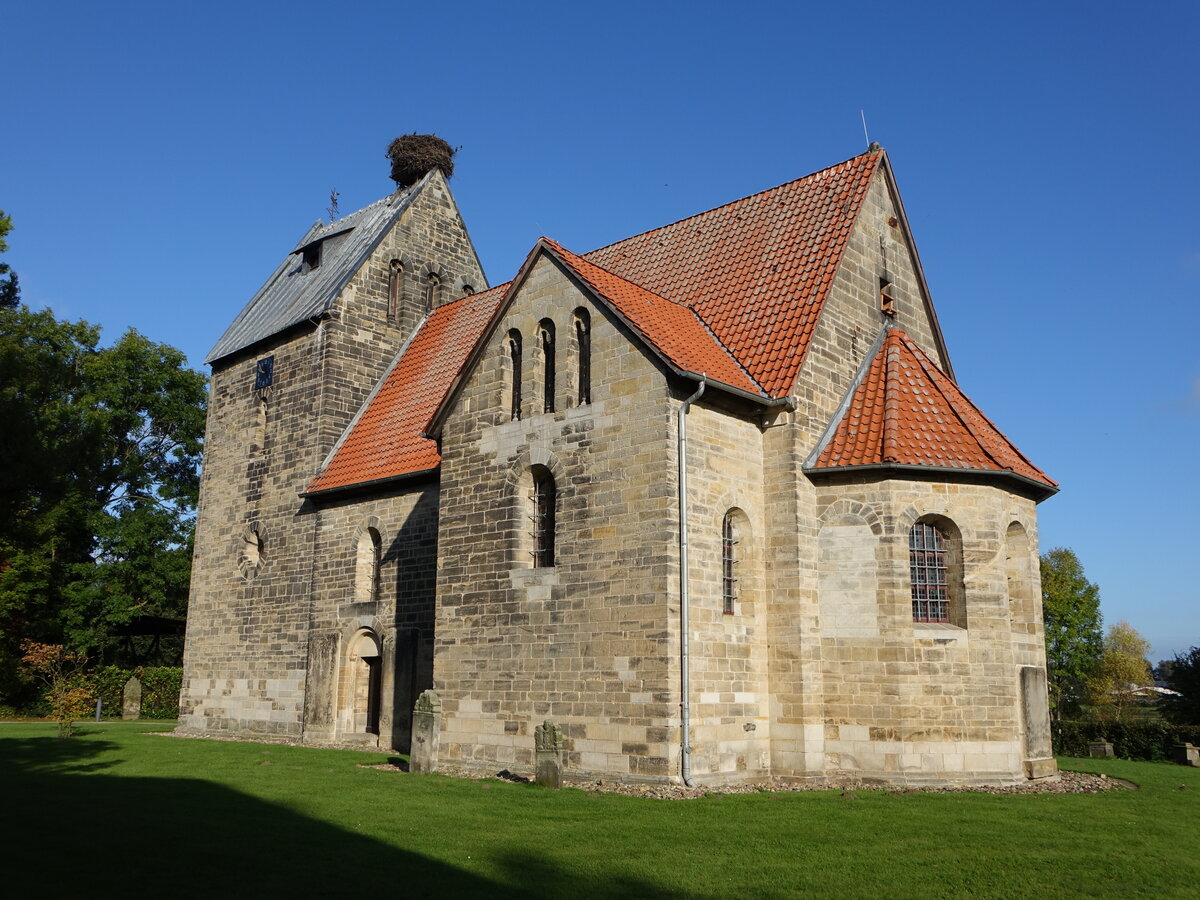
348, 490
1036, 489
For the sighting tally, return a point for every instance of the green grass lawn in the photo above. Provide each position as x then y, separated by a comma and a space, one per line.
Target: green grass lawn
117, 811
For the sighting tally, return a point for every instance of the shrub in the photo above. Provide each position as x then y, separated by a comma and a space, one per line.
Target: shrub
68, 689
160, 690
1131, 740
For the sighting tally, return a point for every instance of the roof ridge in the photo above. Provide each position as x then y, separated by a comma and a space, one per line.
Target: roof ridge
574, 259
720, 343
935, 374
736, 200
561, 249
856, 383
700, 319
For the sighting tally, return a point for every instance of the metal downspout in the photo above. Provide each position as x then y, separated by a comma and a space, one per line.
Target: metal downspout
685, 746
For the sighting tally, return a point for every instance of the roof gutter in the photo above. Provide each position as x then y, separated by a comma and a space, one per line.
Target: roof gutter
347, 489
1045, 490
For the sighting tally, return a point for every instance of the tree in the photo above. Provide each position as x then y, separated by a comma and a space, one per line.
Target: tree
1112, 685
1184, 677
1071, 609
99, 453
10, 291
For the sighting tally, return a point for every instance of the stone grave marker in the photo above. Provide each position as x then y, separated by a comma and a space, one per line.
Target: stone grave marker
426, 731
548, 753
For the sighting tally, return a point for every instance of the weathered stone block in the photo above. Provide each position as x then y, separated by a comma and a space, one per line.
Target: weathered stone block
131, 699
427, 729
548, 755
1187, 755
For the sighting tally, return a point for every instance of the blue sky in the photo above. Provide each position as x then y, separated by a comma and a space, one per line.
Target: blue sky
159, 160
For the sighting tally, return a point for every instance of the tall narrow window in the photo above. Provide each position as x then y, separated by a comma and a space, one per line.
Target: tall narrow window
729, 560
373, 572
514, 365
395, 290
546, 339
431, 288
583, 357
367, 565
927, 568
544, 499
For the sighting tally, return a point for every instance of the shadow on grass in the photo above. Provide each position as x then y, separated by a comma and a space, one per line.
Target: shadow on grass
68, 756
73, 831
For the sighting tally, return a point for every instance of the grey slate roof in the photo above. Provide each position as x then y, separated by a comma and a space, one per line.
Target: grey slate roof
292, 295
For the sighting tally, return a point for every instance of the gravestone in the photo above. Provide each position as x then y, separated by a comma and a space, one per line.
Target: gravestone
427, 729
1100, 748
548, 753
1187, 755
131, 699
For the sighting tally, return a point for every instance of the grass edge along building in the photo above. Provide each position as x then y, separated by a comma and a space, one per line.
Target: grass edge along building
708, 497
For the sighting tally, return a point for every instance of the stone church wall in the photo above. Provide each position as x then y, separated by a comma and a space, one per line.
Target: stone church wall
587, 642
925, 701
248, 621
730, 694
396, 606
247, 646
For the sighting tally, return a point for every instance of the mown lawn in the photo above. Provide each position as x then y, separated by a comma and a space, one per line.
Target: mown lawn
118, 811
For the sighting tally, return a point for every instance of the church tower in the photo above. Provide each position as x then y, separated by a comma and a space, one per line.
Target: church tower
288, 376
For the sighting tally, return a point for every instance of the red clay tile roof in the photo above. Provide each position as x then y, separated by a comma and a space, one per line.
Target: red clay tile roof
676, 331
756, 270
907, 412
385, 441
734, 293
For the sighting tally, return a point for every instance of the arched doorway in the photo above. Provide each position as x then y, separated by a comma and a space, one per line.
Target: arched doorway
366, 678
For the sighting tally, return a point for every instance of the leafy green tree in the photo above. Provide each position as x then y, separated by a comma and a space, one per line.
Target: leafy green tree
1071, 609
100, 449
1183, 676
10, 291
1121, 669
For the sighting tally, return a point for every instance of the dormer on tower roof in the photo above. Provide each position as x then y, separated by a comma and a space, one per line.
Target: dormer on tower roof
298, 289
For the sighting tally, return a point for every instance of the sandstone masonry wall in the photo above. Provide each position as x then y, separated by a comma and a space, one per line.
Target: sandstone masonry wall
587, 642
247, 646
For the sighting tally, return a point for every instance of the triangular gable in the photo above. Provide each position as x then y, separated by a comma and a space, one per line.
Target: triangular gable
652, 319
293, 295
386, 441
906, 412
756, 270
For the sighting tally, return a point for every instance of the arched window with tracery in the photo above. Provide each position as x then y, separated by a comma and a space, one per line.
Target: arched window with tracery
935, 562
729, 563
583, 357
513, 348
367, 563
927, 569
546, 342
542, 508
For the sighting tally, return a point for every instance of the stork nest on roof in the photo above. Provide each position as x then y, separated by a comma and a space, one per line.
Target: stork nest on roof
413, 155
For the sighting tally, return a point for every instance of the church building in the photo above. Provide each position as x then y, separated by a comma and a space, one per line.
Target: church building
709, 498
